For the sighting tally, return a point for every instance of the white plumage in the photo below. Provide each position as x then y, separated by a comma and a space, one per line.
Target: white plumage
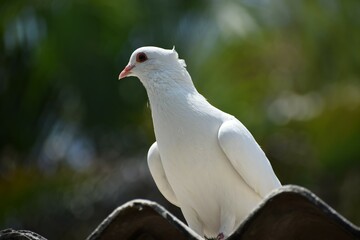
204, 160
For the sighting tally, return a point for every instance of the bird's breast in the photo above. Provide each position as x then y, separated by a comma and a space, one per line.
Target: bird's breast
189, 150
197, 168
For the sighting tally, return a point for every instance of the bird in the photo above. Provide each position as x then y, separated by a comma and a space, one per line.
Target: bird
204, 161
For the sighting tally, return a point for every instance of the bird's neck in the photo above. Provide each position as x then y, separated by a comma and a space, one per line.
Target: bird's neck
169, 89
175, 102
163, 82
172, 100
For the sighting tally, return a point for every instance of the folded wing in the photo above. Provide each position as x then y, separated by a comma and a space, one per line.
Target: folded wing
158, 174
247, 157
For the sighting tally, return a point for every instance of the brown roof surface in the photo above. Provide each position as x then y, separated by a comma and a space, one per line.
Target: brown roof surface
291, 212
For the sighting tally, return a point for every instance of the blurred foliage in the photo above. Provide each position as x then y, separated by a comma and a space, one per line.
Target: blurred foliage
73, 139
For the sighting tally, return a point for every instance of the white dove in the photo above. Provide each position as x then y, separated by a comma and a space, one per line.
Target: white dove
204, 160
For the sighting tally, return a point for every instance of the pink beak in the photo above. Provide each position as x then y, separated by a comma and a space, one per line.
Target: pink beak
126, 71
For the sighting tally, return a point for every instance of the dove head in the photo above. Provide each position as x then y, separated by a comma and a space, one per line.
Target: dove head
156, 65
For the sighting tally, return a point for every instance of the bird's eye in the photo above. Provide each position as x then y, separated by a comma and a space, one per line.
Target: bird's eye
141, 57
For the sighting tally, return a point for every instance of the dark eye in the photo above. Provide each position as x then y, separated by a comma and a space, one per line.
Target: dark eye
141, 57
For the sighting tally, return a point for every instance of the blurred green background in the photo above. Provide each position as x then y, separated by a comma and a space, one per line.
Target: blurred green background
73, 139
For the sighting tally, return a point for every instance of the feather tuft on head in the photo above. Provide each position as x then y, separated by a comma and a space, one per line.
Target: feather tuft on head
181, 61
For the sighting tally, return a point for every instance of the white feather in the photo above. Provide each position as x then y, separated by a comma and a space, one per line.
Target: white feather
247, 157
204, 160
158, 173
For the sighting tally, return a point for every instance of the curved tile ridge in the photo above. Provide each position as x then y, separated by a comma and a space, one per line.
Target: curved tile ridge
293, 212
139, 219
